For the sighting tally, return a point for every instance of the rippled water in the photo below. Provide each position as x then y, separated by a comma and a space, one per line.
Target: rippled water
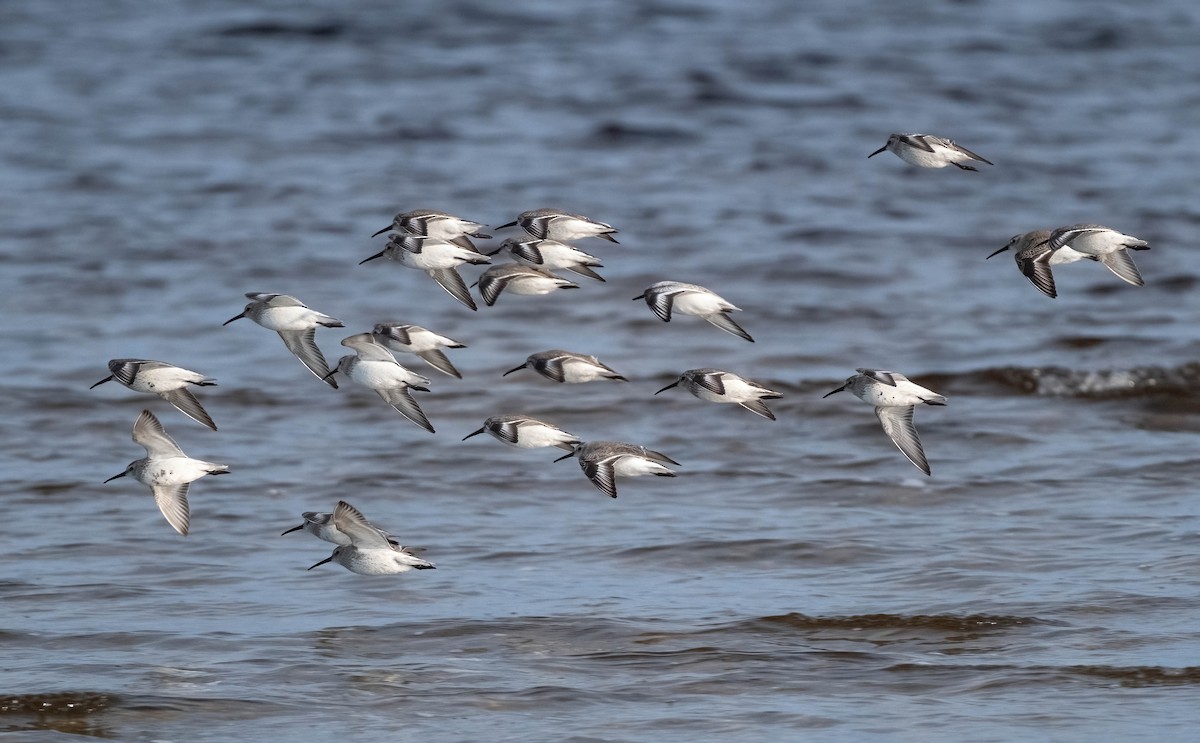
799, 579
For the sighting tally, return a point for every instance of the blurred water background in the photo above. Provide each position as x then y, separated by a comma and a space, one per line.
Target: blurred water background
799, 580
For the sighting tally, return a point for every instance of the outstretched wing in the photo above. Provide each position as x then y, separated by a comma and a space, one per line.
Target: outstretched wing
1120, 262
172, 501
898, 425
602, 474
187, 404
148, 432
303, 344
400, 399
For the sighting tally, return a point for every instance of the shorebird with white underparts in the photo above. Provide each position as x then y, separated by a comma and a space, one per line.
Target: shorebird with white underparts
894, 398
555, 224
568, 367
603, 461
322, 526
439, 259
165, 380
166, 470
296, 324
928, 151
666, 297
516, 278
525, 432
369, 552
1035, 252
375, 368
417, 340
551, 255
715, 385
1102, 244
437, 224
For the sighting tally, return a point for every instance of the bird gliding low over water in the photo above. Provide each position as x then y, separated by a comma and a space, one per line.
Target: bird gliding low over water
568, 367
165, 380
297, 326
554, 224
166, 470
894, 398
525, 432
715, 385
928, 151
603, 461
665, 297
370, 551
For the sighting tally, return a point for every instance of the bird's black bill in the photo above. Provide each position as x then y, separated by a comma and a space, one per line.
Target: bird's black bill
322, 562
385, 229
876, 152
294, 528
116, 476
102, 381
998, 252
839, 389
476, 433
669, 386
235, 317
377, 255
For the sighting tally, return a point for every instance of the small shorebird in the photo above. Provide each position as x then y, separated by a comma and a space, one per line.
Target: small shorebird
894, 398
374, 367
716, 385
554, 224
166, 470
417, 340
1036, 251
165, 380
603, 461
439, 259
517, 278
568, 367
370, 552
296, 324
928, 151
436, 224
550, 255
525, 432
321, 526
665, 297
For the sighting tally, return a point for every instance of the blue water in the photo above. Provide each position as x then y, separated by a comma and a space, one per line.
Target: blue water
799, 579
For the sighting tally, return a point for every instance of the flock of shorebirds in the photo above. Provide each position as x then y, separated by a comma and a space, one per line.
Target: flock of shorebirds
438, 244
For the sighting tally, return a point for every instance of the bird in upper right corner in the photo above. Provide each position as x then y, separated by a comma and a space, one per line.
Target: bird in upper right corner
928, 151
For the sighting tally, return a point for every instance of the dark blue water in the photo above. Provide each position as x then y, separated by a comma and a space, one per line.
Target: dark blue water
799, 579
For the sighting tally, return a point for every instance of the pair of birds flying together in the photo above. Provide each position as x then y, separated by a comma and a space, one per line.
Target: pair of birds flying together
1036, 251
